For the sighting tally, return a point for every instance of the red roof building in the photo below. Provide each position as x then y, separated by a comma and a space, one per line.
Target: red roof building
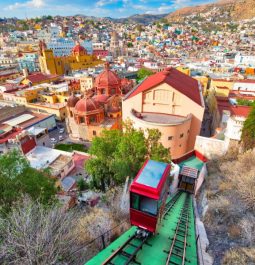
235, 110
171, 102
176, 79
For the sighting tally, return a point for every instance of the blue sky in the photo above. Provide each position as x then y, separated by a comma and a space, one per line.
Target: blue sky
99, 8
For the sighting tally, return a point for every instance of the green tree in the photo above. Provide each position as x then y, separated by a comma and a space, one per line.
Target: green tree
130, 45
130, 154
117, 155
155, 149
99, 167
248, 132
245, 102
143, 72
81, 184
17, 179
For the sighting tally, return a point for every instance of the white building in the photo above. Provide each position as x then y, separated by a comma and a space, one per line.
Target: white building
234, 128
59, 162
246, 60
245, 86
48, 34
64, 46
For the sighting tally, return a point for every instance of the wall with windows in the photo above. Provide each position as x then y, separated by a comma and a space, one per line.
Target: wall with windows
179, 136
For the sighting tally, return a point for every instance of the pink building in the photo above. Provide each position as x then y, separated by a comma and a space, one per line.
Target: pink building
171, 102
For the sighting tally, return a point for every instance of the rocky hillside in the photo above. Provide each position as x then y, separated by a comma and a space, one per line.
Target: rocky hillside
229, 214
222, 10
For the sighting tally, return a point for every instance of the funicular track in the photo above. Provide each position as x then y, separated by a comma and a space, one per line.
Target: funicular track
177, 252
131, 247
134, 244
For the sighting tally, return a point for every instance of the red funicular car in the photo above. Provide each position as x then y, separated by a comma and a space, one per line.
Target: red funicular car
148, 194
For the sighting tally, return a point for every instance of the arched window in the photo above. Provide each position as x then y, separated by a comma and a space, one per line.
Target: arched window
82, 120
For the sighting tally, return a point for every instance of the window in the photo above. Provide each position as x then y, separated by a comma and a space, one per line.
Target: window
134, 201
188, 131
180, 145
82, 120
181, 135
144, 204
92, 119
148, 205
94, 133
170, 138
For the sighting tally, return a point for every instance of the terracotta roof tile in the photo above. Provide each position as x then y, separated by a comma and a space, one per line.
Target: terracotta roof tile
178, 80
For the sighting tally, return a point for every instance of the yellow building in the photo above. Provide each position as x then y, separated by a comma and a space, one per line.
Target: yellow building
184, 70
78, 60
58, 109
222, 87
203, 81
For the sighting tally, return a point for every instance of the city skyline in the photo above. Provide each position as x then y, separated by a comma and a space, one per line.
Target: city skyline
98, 8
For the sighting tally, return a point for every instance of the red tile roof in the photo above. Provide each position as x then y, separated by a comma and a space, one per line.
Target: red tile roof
39, 77
242, 111
10, 135
178, 80
224, 104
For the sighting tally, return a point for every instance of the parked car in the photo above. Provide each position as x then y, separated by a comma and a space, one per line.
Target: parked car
61, 130
61, 138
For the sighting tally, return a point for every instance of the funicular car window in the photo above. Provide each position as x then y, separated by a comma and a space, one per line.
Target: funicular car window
135, 201
144, 204
148, 205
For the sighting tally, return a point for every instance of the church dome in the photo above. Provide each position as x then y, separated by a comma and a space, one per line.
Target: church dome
107, 78
101, 98
79, 49
72, 100
87, 105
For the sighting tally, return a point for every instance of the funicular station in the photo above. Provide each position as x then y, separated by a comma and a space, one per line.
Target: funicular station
163, 229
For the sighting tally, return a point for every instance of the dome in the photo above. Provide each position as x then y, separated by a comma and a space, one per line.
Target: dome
87, 105
72, 100
101, 98
79, 49
107, 78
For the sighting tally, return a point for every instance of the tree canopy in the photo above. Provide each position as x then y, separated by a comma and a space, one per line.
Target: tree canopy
248, 132
116, 154
18, 178
143, 72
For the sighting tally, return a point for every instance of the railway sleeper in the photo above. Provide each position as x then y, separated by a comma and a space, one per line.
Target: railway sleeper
126, 254
133, 245
181, 241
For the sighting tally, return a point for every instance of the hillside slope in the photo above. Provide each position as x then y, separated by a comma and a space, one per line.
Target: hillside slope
232, 10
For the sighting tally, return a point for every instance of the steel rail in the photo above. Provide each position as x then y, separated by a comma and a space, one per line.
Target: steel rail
183, 220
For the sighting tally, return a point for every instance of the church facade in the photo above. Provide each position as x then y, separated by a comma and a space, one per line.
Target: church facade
63, 65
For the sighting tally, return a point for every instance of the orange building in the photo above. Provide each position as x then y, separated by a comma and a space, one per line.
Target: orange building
171, 102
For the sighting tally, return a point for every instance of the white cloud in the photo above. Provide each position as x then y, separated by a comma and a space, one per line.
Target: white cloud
101, 3
30, 4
